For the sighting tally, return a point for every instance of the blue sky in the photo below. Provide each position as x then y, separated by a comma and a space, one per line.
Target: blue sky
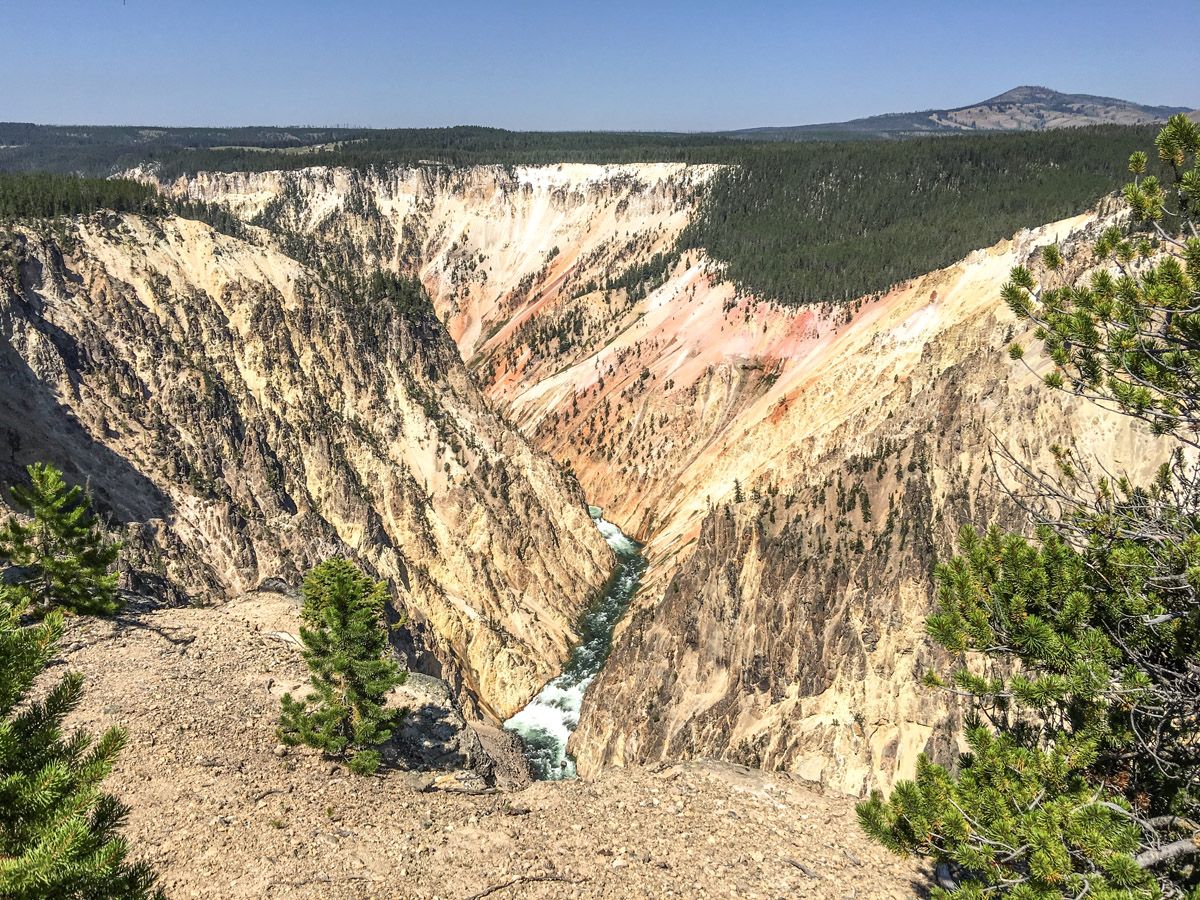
689, 66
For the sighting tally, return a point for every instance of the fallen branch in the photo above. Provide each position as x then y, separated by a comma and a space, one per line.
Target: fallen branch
801, 866
524, 879
942, 875
1172, 822
283, 637
323, 879
1148, 858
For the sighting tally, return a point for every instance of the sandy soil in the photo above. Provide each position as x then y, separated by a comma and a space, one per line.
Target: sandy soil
222, 811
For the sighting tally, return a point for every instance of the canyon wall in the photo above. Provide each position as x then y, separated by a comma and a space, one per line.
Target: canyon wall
794, 472
239, 421
786, 628
499, 248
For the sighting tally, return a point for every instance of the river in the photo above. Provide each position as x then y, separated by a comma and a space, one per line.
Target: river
546, 723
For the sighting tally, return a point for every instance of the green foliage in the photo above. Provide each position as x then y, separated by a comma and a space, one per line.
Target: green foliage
378, 305
345, 647
215, 215
58, 831
1078, 651
60, 557
1026, 804
405, 295
834, 221
641, 278
45, 195
1130, 335
995, 822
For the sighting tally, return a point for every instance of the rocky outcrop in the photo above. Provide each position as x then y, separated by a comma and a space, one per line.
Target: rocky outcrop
239, 421
498, 247
560, 286
785, 628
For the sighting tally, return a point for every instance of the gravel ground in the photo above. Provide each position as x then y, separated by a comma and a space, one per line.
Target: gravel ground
222, 811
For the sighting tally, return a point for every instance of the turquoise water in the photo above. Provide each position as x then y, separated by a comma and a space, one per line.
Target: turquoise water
546, 723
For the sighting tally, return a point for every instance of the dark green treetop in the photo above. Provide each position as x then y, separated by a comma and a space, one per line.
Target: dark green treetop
60, 557
58, 831
345, 647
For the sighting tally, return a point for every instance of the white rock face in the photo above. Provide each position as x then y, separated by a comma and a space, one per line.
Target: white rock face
487, 241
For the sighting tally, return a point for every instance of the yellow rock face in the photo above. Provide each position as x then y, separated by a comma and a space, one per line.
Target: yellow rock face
794, 472
241, 422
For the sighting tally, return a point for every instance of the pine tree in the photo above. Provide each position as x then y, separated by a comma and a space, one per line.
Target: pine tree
60, 557
345, 648
1079, 651
58, 831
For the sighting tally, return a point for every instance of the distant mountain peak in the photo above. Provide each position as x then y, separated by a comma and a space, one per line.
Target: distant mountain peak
1027, 93
1027, 107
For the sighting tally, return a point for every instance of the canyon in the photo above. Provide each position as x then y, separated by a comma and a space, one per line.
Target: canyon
238, 423
793, 472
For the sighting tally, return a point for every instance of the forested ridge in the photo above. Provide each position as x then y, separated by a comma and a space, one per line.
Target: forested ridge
108, 150
824, 221
794, 222
49, 195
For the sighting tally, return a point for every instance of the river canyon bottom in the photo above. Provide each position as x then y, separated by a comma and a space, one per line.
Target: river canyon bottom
546, 723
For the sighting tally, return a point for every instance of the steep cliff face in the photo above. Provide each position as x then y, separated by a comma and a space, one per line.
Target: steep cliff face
241, 421
794, 472
499, 248
786, 629
561, 289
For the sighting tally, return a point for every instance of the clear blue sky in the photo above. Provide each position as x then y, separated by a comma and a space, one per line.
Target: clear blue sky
572, 64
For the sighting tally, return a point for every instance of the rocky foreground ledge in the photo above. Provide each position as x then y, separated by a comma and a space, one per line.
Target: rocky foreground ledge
222, 811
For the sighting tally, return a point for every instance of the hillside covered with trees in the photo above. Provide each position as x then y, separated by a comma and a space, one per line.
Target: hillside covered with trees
833, 221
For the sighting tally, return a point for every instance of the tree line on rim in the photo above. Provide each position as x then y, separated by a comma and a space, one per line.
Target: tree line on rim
49, 195
791, 222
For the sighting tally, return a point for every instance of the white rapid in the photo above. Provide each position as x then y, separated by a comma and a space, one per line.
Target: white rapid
547, 722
